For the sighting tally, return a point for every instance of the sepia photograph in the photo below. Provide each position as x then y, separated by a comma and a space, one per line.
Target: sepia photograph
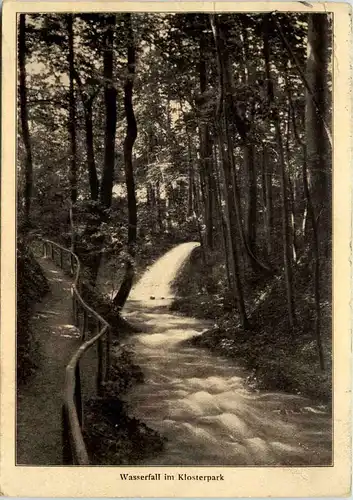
174, 241
175, 170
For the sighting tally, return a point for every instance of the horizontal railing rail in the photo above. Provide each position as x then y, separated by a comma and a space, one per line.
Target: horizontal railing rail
88, 322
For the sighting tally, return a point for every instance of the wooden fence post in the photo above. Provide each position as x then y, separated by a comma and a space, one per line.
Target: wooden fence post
78, 313
52, 253
100, 366
78, 395
107, 355
74, 307
65, 435
61, 258
84, 326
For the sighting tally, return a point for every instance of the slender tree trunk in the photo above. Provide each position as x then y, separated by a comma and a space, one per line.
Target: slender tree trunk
311, 212
223, 224
198, 201
190, 180
203, 186
159, 207
206, 151
72, 111
267, 198
105, 195
316, 264
283, 181
190, 190
290, 185
254, 261
131, 134
87, 103
248, 151
151, 207
317, 117
252, 194
111, 115
91, 162
242, 128
196, 214
24, 121
228, 195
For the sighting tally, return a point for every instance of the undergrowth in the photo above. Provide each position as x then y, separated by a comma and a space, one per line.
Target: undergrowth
32, 285
276, 357
111, 435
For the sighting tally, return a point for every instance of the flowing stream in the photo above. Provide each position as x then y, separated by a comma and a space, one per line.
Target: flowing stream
199, 401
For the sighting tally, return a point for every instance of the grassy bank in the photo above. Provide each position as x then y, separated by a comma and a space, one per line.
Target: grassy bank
31, 288
276, 357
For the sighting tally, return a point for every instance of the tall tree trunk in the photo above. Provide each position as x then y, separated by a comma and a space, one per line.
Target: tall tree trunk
206, 151
267, 198
131, 134
248, 148
190, 180
24, 121
228, 195
249, 161
290, 185
105, 195
242, 128
91, 162
159, 207
203, 186
150, 205
72, 111
283, 181
317, 116
87, 103
311, 212
190, 190
111, 114
197, 213
316, 263
223, 224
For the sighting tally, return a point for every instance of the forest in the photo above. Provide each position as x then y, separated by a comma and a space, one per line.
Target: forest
137, 132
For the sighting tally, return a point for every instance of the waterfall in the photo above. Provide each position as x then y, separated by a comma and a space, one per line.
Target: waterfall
157, 280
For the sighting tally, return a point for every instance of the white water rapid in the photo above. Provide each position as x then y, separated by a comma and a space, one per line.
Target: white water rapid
199, 402
155, 284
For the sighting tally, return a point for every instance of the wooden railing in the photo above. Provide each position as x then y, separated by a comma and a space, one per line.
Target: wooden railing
91, 324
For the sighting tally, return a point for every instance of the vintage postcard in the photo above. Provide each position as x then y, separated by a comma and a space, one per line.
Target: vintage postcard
175, 250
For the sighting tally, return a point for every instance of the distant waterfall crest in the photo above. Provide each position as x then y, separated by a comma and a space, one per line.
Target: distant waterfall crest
157, 280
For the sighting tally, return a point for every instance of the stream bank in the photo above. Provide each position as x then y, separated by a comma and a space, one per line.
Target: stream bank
275, 357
